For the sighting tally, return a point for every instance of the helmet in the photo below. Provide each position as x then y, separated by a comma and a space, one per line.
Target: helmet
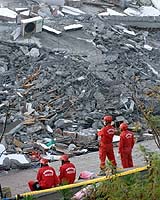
123, 126
43, 161
107, 118
64, 158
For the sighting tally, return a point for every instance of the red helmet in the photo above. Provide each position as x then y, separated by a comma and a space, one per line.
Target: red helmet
43, 161
64, 157
107, 118
123, 126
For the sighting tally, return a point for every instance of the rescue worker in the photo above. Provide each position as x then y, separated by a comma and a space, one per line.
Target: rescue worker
105, 143
46, 177
126, 145
67, 171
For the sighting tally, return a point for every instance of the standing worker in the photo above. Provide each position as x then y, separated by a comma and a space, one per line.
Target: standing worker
126, 145
67, 171
46, 177
105, 144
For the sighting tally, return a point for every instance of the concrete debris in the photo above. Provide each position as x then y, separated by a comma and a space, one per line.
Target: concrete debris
34, 52
51, 30
148, 47
145, 2
74, 3
7, 14
19, 10
53, 2
73, 27
156, 3
58, 89
72, 11
142, 11
111, 12
149, 11
16, 33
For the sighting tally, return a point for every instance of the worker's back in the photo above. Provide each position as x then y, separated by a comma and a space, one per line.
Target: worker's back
67, 173
47, 177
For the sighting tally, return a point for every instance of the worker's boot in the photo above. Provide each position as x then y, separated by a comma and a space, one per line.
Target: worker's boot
102, 171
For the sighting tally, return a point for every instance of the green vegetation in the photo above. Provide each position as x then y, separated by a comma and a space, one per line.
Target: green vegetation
131, 187
66, 193
29, 198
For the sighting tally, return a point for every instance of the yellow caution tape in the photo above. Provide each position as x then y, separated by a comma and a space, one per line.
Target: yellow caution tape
88, 182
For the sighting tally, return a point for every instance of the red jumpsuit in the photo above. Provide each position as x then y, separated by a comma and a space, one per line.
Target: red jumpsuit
125, 148
106, 146
46, 178
67, 173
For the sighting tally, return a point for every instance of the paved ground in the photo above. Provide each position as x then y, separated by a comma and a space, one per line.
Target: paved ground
17, 180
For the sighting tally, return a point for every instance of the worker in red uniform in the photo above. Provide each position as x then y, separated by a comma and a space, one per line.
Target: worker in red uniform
46, 177
67, 171
126, 145
105, 143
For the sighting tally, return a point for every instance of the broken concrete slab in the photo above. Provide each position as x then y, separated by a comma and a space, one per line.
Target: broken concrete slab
53, 2
7, 14
74, 3
73, 27
156, 4
18, 10
51, 30
16, 33
134, 21
72, 11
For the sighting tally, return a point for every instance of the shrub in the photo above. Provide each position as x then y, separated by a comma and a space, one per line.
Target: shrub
131, 187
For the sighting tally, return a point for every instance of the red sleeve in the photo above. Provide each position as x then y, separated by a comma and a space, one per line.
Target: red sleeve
101, 132
121, 144
61, 173
39, 175
57, 181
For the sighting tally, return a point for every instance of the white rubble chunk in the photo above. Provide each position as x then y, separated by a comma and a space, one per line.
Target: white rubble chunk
156, 4
72, 11
49, 129
20, 9
148, 47
19, 157
34, 52
16, 33
132, 11
5, 12
111, 12
25, 13
149, 11
51, 30
129, 32
29, 108
73, 27
116, 138
2, 149
142, 11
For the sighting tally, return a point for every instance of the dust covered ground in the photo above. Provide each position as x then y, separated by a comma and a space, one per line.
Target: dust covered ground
17, 180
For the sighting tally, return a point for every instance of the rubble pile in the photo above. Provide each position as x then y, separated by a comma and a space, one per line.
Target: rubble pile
56, 89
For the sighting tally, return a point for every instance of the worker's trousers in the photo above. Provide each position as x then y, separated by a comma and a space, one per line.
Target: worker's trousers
126, 159
106, 151
34, 185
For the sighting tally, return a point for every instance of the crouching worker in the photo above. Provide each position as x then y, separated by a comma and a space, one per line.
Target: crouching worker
67, 171
46, 177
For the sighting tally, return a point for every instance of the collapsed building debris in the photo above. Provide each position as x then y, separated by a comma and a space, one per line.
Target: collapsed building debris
59, 88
